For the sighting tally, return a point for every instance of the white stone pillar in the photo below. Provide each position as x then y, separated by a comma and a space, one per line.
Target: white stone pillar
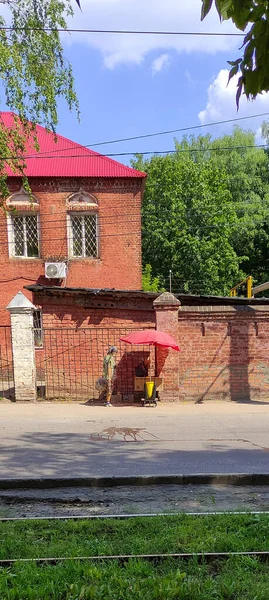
23, 348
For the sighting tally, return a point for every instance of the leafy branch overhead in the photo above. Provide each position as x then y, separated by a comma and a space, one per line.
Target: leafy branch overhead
251, 16
34, 72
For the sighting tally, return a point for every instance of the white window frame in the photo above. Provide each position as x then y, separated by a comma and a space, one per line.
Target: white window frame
70, 235
11, 239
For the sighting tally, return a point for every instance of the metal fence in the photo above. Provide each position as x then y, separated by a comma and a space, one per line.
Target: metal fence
71, 361
6, 364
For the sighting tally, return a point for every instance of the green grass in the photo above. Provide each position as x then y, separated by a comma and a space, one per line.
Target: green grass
243, 578
237, 579
215, 533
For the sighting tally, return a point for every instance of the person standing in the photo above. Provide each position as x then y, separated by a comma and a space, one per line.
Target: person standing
143, 368
109, 369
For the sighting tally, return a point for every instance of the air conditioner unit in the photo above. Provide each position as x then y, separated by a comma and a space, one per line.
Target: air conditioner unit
55, 270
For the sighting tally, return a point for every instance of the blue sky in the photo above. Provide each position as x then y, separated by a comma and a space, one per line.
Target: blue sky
132, 85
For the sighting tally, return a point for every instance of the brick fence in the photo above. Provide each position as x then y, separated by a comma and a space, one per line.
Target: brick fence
224, 352
224, 342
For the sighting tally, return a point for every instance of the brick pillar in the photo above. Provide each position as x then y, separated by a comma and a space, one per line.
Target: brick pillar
166, 307
23, 349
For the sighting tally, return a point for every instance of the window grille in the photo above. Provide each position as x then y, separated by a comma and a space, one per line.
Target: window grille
38, 329
25, 235
83, 236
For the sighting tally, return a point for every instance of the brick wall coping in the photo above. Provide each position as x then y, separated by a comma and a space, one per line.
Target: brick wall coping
188, 302
249, 310
63, 291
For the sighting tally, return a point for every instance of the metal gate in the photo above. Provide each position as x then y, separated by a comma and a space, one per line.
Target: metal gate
6, 364
71, 360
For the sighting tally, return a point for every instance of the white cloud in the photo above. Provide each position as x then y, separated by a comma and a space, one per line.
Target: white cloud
221, 104
153, 15
159, 63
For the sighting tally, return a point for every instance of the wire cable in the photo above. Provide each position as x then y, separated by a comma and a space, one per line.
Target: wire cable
126, 31
125, 234
154, 152
156, 134
181, 129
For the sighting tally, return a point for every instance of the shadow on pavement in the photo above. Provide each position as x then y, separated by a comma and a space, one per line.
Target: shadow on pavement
122, 453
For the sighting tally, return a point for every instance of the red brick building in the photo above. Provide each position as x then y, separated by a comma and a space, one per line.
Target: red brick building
84, 221
82, 226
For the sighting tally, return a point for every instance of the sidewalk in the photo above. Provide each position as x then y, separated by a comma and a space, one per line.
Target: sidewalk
76, 440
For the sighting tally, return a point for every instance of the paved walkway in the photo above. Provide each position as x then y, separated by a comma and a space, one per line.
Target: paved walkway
65, 440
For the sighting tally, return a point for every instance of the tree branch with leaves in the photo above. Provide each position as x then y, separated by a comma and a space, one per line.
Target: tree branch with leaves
34, 73
252, 66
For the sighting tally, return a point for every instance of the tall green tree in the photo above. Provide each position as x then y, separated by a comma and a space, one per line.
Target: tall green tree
247, 173
252, 66
187, 218
247, 169
206, 212
34, 73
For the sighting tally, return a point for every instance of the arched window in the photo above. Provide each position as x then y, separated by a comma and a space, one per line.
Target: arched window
23, 225
21, 198
83, 226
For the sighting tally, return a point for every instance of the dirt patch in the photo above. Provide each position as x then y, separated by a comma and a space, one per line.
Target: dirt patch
132, 500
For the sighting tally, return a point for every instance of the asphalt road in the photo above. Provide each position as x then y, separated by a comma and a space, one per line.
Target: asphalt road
66, 440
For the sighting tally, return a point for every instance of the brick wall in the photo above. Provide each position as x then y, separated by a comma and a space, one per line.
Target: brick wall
119, 264
77, 336
225, 352
166, 307
109, 309
224, 348
224, 345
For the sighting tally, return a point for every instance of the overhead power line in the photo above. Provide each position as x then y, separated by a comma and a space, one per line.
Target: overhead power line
158, 152
64, 240
153, 211
156, 134
181, 129
127, 31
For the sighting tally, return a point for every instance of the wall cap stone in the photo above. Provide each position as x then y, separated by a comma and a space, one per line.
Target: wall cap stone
250, 310
20, 304
166, 299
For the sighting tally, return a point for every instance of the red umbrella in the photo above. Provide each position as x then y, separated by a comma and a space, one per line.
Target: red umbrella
151, 337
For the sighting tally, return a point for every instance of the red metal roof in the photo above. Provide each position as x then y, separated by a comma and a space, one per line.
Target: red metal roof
65, 158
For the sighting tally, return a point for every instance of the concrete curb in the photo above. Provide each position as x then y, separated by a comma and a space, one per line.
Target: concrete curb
234, 479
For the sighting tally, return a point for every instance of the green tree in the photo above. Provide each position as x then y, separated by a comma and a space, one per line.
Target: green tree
34, 73
149, 283
252, 66
206, 212
247, 169
187, 219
